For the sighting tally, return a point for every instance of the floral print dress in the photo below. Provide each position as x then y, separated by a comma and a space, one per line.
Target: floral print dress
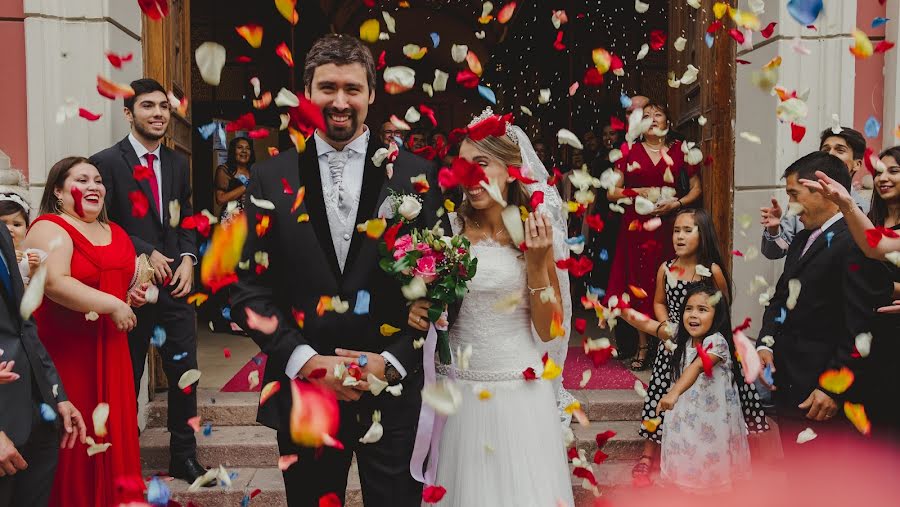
704, 447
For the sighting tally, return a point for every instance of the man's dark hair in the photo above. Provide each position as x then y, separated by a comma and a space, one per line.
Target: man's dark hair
853, 138
142, 86
806, 166
339, 49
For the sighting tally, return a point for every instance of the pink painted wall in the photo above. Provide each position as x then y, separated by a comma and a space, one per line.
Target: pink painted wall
13, 128
869, 83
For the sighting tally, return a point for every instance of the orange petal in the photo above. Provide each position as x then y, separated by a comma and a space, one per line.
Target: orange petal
556, 326
113, 90
251, 33
856, 413
506, 13
474, 63
314, 415
299, 199
651, 424
837, 381
197, 299
269, 390
373, 228
287, 8
285, 53
637, 291
224, 251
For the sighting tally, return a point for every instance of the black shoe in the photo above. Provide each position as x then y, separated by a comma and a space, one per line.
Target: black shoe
189, 470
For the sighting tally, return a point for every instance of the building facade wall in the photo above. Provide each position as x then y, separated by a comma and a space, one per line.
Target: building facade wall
14, 127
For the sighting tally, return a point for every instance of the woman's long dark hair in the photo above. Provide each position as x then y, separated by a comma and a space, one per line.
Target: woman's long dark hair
878, 213
231, 163
721, 324
55, 180
708, 252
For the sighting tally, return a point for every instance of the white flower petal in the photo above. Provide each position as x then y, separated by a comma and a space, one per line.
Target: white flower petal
262, 203
639, 388
403, 76
375, 431
415, 289
544, 95
443, 396
643, 52
458, 52
863, 343
34, 293
702, 270
640, 7
210, 57
189, 378
793, 293
376, 385
565, 136
389, 22
99, 416
396, 390
806, 435
493, 190
643, 206
286, 98
440, 80
679, 44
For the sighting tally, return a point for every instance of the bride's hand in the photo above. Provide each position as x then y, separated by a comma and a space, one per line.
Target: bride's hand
418, 315
538, 239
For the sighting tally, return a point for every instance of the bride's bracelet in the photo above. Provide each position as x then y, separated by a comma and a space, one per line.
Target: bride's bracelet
537, 290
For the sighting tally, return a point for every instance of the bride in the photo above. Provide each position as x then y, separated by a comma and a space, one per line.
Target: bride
504, 445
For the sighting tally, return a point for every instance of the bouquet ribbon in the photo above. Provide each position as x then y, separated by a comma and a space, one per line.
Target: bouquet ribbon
427, 449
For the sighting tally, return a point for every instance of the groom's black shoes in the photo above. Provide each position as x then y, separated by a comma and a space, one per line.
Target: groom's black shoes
189, 470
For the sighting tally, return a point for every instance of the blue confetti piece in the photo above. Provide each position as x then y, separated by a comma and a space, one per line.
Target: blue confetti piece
708, 38
207, 429
597, 291
435, 39
828, 236
804, 12
232, 476
767, 375
203, 247
604, 255
159, 336
207, 130
47, 413
179, 356
258, 360
487, 94
226, 313
158, 493
362, 303
873, 126
879, 21
625, 100
363, 360
780, 318
245, 502
575, 240
221, 132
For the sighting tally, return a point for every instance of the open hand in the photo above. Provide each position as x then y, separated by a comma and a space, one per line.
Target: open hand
770, 217
821, 406
830, 189
894, 308
538, 239
74, 428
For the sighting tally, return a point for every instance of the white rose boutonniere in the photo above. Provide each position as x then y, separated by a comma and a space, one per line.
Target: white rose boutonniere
409, 207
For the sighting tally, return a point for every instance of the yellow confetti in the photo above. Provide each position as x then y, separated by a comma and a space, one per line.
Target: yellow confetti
572, 407
484, 395
197, 299
837, 381
369, 30
556, 327
304, 217
719, 9
651, 424
862, 47
551, 370
388, 330
450, 206
373, 228
856, 413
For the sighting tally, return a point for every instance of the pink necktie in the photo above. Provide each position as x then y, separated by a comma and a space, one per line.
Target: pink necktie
154, 185
812, 238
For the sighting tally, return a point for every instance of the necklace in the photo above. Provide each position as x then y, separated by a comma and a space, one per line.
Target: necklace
497, 235
651, 148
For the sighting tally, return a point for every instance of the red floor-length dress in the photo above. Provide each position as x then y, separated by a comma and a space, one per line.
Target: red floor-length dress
95, 366
639, 252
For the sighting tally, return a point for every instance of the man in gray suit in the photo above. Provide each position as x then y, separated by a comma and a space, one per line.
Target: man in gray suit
32, 399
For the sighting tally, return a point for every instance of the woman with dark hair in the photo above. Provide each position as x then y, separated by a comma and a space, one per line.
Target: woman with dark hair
83, 321
658, 180
233, 176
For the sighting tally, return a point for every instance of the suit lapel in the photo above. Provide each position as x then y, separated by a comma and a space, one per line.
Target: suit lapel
373, 186
819, 244
9, 255
131, 159
311, 178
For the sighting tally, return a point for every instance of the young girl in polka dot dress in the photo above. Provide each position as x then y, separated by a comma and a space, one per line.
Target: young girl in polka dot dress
698, 259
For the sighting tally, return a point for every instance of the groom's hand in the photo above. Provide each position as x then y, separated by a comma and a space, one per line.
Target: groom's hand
319, 362
375, 364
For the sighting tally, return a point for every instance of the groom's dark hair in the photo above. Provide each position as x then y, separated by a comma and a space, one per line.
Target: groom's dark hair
339, 49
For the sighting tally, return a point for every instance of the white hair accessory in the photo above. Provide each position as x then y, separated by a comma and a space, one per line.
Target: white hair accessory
16, 198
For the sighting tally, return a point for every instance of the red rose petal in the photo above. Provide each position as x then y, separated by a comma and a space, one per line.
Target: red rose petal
768, 30
139, 203
529, 374
657, 39
580, 325
797, 132
433, 494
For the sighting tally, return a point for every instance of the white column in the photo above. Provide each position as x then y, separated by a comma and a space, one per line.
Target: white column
828, 73
65, 49
891, 118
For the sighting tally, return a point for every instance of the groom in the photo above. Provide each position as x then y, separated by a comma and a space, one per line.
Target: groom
326, 256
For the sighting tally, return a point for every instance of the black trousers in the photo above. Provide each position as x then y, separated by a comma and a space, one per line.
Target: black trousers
32, 486
179, 354
383, 466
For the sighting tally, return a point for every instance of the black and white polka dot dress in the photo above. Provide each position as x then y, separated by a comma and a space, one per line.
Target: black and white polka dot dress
661, 374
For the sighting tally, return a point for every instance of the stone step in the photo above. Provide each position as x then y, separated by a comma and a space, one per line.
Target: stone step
221, 409
239, 409
232, 446
271, 486
627, 445
610, 404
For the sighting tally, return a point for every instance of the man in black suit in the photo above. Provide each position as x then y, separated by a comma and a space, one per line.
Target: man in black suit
28, 442
839, 291
327, 256
149, 209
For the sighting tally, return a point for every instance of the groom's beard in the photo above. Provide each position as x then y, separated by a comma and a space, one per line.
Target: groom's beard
340, 134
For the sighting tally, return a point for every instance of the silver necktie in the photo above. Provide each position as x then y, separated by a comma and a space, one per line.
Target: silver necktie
336, 162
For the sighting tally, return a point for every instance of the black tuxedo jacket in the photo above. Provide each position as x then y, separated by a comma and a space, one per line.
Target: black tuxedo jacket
20, 343
839, 291
148, 233
303, 267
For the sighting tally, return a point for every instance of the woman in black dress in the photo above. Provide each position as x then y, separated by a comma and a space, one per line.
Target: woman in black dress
233, 177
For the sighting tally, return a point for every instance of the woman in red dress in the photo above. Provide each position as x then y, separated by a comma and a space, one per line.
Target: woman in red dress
639, 252
83, 321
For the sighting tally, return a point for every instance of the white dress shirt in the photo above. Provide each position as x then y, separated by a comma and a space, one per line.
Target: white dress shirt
141, 152
342, 228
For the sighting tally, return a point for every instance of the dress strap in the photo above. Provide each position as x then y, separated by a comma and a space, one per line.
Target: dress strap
79, 241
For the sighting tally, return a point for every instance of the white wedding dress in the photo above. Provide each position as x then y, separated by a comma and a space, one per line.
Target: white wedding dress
504, 446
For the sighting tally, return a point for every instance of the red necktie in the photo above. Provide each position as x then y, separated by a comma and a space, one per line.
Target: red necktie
154, 185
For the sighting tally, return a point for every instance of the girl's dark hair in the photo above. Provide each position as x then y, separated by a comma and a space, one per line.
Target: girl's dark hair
231, 163
11, 208
708, 252
721, 324
878, 213
55, 180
